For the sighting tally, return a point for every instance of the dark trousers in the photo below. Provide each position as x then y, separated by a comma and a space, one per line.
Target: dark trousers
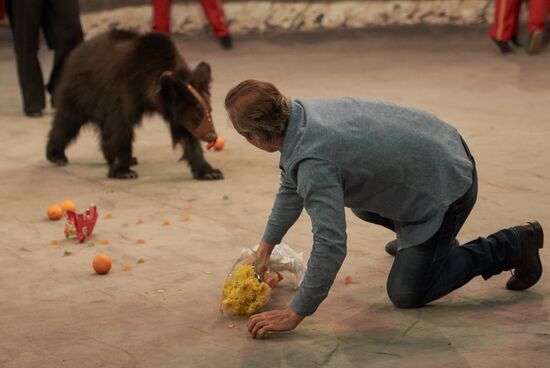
60, 22
428, 271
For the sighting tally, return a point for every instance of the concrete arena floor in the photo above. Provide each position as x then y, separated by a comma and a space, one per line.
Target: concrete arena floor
55, 312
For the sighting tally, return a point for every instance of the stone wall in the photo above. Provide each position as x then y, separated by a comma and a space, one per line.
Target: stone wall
288, 16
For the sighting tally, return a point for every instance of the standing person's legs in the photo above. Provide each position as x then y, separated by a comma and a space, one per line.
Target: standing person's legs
64, 20
214, 13
25, 24
161, 15
505, 23
538, 12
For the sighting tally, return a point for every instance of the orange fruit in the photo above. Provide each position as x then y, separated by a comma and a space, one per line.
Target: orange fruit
218, 146
102, 264
55, 212
68, 206
347, 280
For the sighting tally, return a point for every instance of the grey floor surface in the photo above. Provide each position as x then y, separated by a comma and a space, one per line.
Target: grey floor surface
55, 312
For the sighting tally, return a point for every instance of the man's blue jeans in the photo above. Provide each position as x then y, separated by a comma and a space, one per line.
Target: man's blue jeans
430, 270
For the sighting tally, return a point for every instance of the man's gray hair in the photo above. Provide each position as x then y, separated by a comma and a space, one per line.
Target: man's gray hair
258, 108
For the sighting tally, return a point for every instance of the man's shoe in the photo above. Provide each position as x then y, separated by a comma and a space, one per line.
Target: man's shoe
33, 114
529, 268
391, 247
226, 42
535, 42
503, 46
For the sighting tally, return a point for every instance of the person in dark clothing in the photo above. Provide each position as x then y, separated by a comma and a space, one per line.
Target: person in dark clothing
60, 23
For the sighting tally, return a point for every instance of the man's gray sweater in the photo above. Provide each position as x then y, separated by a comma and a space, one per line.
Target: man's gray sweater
403, 164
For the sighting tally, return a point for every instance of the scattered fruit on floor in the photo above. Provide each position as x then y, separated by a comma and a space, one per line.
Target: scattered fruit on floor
55, 212
68, 206
102, 264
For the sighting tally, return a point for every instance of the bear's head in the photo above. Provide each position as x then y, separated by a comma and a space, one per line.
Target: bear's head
187, 105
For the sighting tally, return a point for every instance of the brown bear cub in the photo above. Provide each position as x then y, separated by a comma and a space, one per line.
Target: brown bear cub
113, 79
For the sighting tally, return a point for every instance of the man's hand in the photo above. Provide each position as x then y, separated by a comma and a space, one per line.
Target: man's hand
260, 259
276, 320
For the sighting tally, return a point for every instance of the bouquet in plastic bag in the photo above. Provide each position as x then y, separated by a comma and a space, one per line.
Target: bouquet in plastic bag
244, 291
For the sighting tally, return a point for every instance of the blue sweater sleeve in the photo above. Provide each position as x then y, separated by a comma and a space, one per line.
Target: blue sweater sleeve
320, 184
287, 208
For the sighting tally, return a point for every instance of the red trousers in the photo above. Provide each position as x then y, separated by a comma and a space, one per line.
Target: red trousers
505, 24
212, 9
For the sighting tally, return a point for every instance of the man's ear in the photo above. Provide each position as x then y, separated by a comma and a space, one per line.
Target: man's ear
202, 77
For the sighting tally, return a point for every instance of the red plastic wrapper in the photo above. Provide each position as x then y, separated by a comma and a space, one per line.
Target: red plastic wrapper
272, 278
81, 225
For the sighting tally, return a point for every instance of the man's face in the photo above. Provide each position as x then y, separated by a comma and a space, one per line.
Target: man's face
263, 145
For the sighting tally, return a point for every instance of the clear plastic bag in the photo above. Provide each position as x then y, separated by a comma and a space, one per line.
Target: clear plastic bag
245, 291
284, 261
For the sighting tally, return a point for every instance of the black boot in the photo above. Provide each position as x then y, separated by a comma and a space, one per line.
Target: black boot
226, 42
391, 247
529, 268
33, 114
503, 46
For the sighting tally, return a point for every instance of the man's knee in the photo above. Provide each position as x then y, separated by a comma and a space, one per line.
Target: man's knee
406, 299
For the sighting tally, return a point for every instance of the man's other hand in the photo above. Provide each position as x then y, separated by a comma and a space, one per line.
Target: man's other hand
273, 321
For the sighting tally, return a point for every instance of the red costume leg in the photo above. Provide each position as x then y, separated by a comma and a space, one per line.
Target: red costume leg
538, 12
161, 15
214, 12
505, 22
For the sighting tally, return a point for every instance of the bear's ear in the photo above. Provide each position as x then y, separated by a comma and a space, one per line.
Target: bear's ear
202, 77
172, 90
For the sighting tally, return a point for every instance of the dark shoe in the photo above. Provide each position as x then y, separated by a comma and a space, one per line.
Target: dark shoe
529, 268
503, 46
226, 42
33, 114
534, 45
391, 247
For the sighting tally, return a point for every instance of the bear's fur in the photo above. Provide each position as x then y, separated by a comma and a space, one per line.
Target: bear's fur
112, 80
